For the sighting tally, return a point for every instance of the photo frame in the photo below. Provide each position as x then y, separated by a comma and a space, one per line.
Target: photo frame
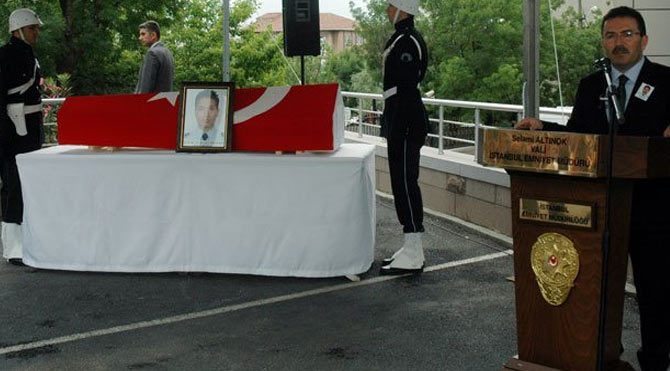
205, 117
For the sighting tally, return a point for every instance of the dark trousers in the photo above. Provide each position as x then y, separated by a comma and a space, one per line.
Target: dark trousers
650, 257
404, 145
11, 145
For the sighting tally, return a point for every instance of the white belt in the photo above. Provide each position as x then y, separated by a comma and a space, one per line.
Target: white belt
390, 92
23, 88
32, 109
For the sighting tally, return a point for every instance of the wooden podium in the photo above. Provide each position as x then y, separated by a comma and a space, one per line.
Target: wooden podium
558, 191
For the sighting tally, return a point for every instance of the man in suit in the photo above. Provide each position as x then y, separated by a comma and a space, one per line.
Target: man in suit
643, 89
157, 71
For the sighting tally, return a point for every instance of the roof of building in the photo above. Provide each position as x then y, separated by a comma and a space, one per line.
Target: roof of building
327, 22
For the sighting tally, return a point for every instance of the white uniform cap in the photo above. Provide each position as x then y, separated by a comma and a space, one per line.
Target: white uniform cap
407, 6
21, 18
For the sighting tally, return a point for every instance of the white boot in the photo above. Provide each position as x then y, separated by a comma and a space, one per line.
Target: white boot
388, 261
12, 241
409, 258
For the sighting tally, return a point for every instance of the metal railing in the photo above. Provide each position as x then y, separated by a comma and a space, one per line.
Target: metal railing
363, 117
50, 107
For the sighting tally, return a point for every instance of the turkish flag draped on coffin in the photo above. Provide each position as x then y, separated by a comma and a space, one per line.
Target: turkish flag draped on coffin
284, 118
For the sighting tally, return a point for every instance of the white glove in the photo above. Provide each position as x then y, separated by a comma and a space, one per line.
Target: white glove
18, 117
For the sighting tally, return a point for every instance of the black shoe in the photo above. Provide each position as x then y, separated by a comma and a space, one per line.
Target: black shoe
387, 261
388, 271
17, 262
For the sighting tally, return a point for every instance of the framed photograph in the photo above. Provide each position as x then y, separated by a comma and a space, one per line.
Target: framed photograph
205, 117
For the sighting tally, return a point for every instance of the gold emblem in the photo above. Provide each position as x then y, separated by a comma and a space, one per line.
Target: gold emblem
555, 262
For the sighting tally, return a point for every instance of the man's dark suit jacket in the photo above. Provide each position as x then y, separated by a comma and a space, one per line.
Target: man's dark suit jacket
648, 118
157, 71
643, 118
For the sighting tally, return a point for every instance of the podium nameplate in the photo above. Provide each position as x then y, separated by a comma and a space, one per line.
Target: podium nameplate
540, 151
572, 215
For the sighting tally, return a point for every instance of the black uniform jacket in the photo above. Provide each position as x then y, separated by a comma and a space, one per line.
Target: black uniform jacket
405, 66
18, 66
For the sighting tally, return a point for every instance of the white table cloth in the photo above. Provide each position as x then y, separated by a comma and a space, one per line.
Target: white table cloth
307, 215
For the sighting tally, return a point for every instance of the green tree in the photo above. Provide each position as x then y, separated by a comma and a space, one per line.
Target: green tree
578, 45
197, 43
96, 36
344, 65
476, 48
49, 42
96, 42
373, 25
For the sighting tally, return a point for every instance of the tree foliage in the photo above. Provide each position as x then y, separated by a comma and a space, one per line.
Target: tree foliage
96, 42
475, 46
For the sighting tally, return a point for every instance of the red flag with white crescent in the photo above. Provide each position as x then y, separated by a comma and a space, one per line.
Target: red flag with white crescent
287, 118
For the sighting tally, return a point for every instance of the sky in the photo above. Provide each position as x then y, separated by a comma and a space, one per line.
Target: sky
339, 7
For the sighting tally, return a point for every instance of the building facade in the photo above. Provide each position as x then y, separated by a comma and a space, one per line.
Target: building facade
655, 12
336, 31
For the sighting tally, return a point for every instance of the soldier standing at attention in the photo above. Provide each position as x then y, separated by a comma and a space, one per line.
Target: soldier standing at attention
21, 128
405, 126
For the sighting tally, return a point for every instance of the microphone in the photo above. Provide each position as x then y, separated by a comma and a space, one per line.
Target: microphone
605, 65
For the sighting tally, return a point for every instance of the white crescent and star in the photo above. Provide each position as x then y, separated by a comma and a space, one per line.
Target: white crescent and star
270, 98
170, 96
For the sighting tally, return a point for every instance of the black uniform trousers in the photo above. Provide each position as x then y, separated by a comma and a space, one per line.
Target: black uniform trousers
11, 145
404, 146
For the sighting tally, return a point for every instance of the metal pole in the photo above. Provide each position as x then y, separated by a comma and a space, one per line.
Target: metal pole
302, 70
440, 131
531, 57
360, 117
582, 16
478, 123
226, 39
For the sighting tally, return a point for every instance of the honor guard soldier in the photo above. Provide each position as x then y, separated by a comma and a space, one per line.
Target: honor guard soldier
405, 126
21, 128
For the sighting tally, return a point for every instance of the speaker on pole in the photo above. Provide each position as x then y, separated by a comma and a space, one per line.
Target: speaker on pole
301, 28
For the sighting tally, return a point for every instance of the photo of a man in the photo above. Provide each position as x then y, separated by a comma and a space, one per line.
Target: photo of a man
205, 118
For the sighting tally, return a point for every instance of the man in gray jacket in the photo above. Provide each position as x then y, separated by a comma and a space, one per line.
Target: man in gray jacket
157, 72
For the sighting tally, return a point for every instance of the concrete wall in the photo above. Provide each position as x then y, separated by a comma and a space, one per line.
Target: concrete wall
340, 40
656, 14
455, 185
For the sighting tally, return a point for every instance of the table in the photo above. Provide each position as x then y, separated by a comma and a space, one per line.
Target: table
305, 215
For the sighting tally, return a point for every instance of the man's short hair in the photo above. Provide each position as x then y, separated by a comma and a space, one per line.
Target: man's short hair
211, 94
152, 26
624, 11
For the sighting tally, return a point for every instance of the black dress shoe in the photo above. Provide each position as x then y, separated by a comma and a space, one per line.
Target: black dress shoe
17, 261
389, 271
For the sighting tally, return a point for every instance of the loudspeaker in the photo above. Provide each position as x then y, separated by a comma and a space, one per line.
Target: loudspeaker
301, 27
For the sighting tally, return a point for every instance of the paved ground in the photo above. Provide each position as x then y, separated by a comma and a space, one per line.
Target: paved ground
458, 315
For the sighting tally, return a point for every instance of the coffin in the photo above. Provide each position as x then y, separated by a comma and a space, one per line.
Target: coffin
283, 118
